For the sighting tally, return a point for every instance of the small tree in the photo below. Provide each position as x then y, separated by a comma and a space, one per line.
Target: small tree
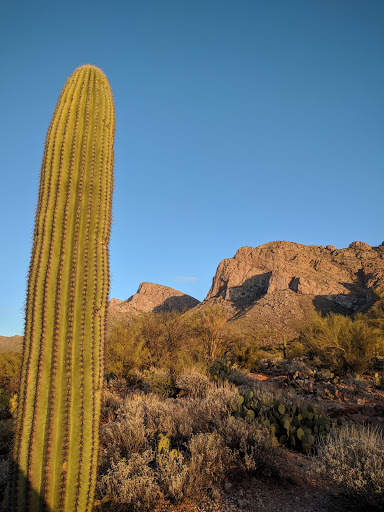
210, 326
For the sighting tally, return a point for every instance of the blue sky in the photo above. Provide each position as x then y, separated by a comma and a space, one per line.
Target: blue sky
238, 123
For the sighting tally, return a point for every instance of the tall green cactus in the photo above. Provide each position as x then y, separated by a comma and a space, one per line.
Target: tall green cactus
56, 440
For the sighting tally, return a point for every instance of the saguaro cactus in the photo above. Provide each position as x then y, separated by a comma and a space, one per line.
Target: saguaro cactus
56, 440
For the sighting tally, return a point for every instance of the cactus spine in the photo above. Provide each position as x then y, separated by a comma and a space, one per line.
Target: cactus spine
56, 440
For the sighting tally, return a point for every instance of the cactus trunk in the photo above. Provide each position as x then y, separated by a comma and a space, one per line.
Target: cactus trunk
56, 439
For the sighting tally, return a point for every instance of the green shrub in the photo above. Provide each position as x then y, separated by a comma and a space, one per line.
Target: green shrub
341, 343
10, 371
161, 340
125, 349
160, 381
211, 328
353, 459
245, 351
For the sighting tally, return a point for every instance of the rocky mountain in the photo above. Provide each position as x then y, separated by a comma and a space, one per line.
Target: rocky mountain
275, 287
151, 297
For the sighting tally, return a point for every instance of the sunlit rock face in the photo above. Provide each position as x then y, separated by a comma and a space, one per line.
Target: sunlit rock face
277, 285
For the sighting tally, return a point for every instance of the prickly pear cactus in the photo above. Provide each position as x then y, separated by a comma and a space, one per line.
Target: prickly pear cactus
299, 426
56, 440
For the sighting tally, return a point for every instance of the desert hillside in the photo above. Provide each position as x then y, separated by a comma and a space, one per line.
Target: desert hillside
11, 343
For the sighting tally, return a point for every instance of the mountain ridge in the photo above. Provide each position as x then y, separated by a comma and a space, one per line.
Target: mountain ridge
275, 287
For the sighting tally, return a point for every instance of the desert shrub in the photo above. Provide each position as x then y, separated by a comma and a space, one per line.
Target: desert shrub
125, 349
176, 447
249, 442
166, 340
125, 436
209, 461
161, 381
341, 343
171, 340
139, 480
210, 327
353, 459
10, 371
173, 473
192, 383
245, 350
131, 482
180, 418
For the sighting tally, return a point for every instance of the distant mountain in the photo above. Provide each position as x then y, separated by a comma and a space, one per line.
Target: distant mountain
275, 287
151, 297
11, 343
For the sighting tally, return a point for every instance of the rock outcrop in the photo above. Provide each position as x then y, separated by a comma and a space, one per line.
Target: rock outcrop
152, 297
276, 286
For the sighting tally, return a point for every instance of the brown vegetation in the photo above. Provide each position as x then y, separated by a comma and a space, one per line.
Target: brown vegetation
171, 430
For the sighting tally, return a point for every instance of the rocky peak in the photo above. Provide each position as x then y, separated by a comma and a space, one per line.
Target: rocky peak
307, 270
152, 297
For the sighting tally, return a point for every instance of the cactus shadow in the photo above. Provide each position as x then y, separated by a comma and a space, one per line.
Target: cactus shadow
33, 500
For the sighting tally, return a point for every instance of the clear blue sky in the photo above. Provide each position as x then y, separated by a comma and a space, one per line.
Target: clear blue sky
238, 123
